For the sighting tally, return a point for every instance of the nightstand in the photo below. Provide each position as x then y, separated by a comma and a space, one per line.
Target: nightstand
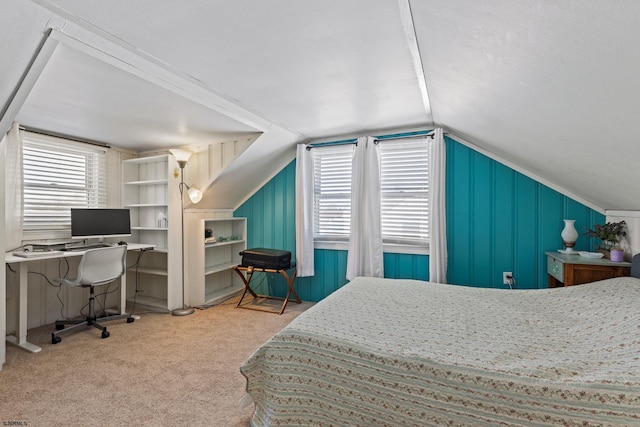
568, 270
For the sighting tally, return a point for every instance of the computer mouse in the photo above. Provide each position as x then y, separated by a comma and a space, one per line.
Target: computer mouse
122, 242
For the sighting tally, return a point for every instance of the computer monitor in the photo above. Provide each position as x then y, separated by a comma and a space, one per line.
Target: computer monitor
99, 223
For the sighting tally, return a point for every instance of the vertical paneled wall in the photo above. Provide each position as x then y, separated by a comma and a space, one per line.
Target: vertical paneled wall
500, 220
497, 220
271, 215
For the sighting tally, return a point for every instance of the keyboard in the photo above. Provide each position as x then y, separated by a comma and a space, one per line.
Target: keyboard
87, 247
37, 254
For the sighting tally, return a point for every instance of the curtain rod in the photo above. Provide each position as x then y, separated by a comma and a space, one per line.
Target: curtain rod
377, 139
61, 136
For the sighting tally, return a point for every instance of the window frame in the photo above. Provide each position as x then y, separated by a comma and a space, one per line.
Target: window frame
339, 157
93, 173
337, 243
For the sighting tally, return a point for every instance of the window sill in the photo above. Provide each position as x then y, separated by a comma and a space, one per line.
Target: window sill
388, 247
331, 245
405, 249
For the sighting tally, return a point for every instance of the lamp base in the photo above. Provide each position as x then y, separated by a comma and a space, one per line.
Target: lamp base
182, 311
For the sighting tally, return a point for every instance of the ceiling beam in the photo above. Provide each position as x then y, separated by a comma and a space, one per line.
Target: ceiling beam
414, 50
28, 80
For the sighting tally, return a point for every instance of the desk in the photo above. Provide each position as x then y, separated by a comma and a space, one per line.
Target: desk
247, 280
20, 338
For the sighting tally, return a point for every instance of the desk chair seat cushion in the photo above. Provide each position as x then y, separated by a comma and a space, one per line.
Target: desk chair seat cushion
99, 266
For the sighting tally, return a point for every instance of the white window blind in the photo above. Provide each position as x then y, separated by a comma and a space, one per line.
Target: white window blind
332, 205
404, 174
58, 175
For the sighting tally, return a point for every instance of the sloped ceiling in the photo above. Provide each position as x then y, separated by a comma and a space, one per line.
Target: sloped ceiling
548, 86
103, 103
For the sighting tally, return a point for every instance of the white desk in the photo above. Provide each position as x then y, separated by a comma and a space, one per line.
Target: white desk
20, 338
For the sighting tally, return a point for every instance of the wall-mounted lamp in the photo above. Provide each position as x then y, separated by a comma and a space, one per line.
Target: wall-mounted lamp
195, 195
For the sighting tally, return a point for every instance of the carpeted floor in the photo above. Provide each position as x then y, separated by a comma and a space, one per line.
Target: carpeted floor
160, 370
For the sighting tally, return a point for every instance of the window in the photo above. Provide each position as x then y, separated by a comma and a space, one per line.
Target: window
332, 202
404, 174
58, 175
404, 180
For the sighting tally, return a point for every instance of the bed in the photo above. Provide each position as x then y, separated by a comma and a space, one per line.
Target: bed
386, 352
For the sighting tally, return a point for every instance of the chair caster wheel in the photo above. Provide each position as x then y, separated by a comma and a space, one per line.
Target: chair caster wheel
59, 327
105, 334
55, 339
130, 319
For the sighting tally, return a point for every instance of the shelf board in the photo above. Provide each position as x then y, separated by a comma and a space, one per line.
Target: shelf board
149, 270
226, 242
148, 182
216, 297
219, 267
148, 159
152, 302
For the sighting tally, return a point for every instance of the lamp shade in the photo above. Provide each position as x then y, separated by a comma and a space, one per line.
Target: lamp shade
182, 156
569, 234
194, 194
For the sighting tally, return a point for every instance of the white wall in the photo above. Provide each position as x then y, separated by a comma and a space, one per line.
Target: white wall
631, 243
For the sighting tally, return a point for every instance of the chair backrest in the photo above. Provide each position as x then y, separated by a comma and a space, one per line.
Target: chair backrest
102, 265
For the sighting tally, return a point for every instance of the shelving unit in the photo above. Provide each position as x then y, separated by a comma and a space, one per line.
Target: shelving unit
211, 278
150, 191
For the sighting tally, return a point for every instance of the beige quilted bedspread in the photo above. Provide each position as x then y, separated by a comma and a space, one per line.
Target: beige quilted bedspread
385, 352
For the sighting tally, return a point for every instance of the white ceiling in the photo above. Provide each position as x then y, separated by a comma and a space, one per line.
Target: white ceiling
81, 96
550, 87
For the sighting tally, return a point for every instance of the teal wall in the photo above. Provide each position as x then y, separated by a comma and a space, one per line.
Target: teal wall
500, 220
497, 220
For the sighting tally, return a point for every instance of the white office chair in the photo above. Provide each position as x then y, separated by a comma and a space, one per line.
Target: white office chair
97, 267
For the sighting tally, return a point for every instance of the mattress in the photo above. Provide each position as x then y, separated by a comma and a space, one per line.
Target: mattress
387, 352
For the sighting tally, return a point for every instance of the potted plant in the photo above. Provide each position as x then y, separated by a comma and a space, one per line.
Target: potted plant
610, 235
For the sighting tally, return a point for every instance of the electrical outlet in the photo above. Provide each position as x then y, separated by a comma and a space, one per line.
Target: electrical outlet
507, 278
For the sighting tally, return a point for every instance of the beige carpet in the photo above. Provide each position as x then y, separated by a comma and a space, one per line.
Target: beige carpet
160, 370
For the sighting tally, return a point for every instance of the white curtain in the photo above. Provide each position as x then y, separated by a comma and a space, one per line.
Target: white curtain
304, 211
437, 209
365, 256
13, 188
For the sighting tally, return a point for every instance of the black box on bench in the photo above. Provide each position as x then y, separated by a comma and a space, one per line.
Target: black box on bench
275, 259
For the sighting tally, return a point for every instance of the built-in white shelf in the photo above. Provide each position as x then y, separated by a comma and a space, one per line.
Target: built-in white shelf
211, 278
150, 192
